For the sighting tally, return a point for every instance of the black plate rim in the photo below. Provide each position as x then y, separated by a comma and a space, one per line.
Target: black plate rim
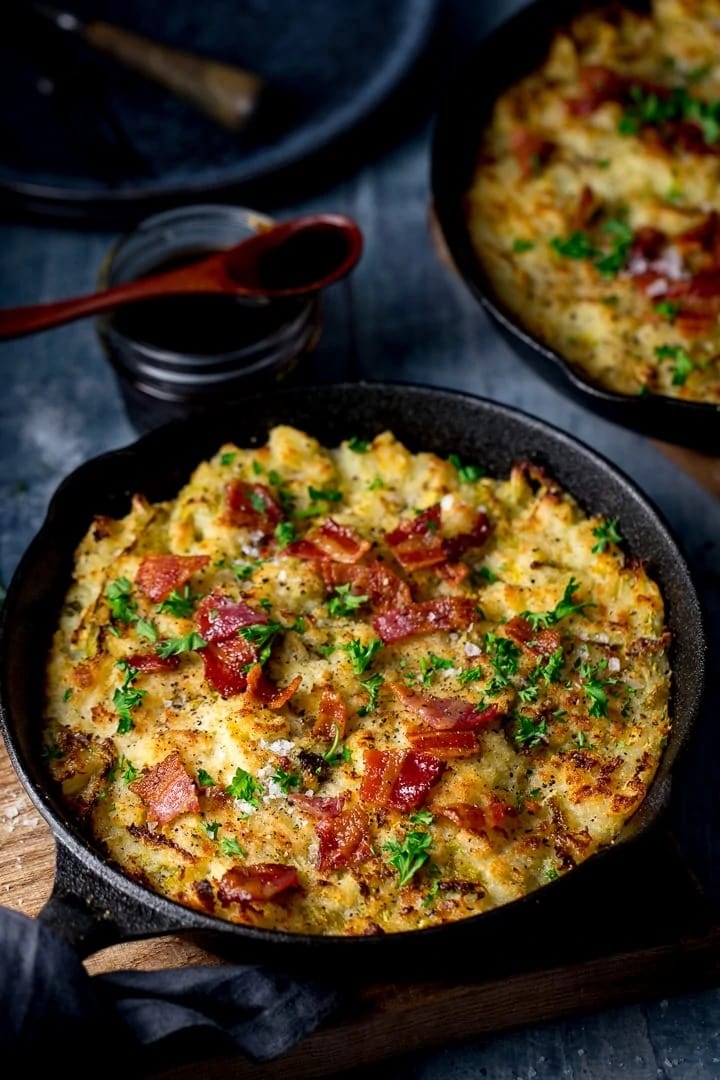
341, 121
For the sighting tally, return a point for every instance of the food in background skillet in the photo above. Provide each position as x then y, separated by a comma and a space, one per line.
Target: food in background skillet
355, 690
595, 204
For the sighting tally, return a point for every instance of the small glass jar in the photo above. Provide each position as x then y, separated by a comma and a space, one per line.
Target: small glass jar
182, 356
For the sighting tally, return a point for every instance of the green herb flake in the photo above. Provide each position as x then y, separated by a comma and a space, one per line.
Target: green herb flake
668, 309
324, 495
575, 246
337, 752
345, 602
175, 646
286, 780
530, 731
519, 245
127, 697
376, 483
230, 846
504, 657
146, 628
467, 474
358, 446
204, 779
607, 533
361, 656
212, 828
551, 874
179, 604
257, 467
371, 687
541, 620
245, 787
430, 664
285, 534
422, 817
471, 675
68, 694
119, 596
683, 361
409, 855
488, 574
257, 502
228, 458
263, 636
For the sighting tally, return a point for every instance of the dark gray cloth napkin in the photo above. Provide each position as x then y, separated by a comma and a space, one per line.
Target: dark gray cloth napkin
49, 1004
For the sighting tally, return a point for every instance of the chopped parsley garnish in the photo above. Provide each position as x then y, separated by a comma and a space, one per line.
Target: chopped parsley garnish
245, 787
52, 752
68, 694
541, 620
285, 780
324, 495
575, 246
471, 674
372, 687
262, 635
430, 664
551, 874
422, 817
230, 846
212, 828
581, 740
595, 688
378, 482
228, 457
520, 245
488, 574
127, 697
336, 753
549, 668
174, 646
410, 855
358, 446
285, 533
299, 626
467, 474
257, 502
606, 533
650, 109
243, 571
504, 656
361, 656
119, 596
257, 467
683, 361
146, 628
668, 309
345, 602
530, 731
204, 779
608, 260
127, 770
179, 604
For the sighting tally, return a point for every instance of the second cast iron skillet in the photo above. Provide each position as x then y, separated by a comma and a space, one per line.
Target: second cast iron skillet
513, 50
93, 902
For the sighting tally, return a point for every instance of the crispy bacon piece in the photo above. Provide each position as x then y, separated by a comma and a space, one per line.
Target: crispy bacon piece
477, 819
445, 744
226, 664
443, 613
530, 150
444, 714
343, 840
151, 663
167, 790
319, 806
338, 542
376, 580
251, 506
158, 575
418, 543
399, 779
218, 618
541, 642
332, 714
598, 84
257, 881
262, 691
648, 244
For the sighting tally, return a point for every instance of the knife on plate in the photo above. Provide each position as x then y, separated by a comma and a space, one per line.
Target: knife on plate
227, 94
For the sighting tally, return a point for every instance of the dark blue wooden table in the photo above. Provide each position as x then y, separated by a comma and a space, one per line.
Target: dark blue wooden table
402, 316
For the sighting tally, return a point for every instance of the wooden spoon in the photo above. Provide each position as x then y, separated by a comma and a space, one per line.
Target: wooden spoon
294, 258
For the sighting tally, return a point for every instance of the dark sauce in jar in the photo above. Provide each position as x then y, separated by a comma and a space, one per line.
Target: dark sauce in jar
201, 325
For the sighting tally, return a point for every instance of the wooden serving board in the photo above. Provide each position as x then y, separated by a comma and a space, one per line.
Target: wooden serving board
646, 933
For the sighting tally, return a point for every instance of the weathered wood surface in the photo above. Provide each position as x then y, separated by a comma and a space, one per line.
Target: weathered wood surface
401, 316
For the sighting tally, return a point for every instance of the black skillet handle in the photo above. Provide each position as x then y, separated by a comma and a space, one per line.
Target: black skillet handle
90, 914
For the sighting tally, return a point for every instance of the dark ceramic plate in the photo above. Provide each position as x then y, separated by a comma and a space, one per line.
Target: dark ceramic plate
94, 903
511, 51
103, 137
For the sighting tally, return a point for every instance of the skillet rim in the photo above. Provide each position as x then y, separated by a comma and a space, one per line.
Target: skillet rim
69, 836
529, 30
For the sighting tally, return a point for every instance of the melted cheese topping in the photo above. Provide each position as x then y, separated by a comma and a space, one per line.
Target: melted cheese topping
571, 174
568, 758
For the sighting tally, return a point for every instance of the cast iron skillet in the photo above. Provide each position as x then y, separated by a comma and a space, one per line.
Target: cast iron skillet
93, 903
513, 50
